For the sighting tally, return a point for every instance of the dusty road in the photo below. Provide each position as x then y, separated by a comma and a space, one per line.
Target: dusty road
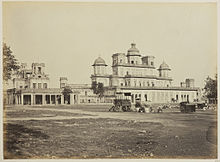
93, 132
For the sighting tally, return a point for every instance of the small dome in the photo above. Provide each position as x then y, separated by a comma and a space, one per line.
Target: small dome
99, 61
164, 66
133, 50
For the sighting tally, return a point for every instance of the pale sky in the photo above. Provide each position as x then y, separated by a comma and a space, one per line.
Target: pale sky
68, 37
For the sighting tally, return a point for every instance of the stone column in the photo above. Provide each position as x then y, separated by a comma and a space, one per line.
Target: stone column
50, 99
71, 99
77, 99
16, 99
43, 99
62, 99
22, 98
56, 101
19, 99
11, 99
32, 99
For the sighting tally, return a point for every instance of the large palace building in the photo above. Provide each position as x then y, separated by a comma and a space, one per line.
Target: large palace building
133, 76
136, 76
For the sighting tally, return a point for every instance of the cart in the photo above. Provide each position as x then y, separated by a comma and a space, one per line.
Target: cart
121, 105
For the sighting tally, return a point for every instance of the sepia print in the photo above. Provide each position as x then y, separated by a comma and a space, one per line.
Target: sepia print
89, 80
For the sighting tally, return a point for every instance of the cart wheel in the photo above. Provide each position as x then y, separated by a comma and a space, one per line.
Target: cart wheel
124, 108
115, 108
112, 108
128, 108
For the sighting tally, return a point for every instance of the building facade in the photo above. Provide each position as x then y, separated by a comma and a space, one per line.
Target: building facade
136, 76
133, 76
31, 87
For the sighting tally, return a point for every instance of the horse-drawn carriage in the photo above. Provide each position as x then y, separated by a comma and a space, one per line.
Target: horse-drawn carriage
121, 105
187, 107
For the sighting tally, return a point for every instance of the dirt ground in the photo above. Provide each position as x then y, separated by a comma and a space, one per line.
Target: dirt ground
93, 132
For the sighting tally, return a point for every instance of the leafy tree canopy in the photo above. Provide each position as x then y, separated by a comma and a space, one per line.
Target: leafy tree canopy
10, 63
66, 91
98, 88
211, 87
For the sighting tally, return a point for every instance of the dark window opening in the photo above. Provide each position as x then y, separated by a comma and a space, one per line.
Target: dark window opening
47, 99
145, 97
39, 86
39, 70
45, 85
38, 99
27, 99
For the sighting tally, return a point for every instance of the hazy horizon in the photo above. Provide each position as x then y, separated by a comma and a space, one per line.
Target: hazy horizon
68, 37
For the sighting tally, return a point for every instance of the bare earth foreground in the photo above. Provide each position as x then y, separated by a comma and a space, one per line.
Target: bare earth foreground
93, 132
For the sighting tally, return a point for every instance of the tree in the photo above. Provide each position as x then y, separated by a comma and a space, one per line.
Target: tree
66, 93
98, 88
210, 89
10, 63
94, 87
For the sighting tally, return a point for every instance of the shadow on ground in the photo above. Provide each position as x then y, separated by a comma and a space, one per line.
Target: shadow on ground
17, 136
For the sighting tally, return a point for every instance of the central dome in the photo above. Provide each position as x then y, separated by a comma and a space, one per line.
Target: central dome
133, 50
99, 61
164, 66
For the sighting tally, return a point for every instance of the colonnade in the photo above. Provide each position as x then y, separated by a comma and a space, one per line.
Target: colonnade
41, 99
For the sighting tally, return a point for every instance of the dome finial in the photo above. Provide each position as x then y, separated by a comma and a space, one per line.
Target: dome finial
133, 50
133, 45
